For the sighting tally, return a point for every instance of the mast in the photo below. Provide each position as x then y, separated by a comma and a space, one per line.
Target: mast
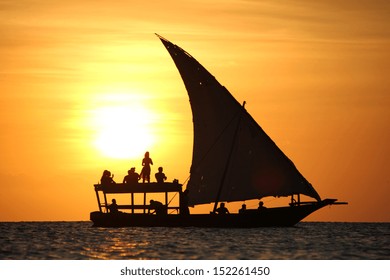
228, 160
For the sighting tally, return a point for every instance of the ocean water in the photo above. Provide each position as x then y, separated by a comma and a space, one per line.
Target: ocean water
305, 241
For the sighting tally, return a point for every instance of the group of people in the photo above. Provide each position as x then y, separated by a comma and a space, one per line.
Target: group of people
161, 209
222, 210
260, 208
133, 177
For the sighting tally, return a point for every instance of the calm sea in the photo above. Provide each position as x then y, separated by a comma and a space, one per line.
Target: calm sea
305, 241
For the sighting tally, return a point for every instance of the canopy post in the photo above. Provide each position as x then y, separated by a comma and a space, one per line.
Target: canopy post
105, 201
144, 202
132, 203
98, 199
299, 199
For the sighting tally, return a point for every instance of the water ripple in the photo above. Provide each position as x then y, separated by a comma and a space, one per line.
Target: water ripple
79, 240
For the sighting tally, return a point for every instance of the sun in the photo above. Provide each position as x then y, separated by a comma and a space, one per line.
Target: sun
123, 130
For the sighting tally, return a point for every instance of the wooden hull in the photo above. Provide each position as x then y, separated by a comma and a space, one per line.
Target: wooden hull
270, 217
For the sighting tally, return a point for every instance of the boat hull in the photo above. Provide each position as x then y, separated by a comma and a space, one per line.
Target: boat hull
270, 217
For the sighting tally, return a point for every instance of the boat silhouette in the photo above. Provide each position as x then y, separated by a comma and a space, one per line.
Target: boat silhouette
233, 160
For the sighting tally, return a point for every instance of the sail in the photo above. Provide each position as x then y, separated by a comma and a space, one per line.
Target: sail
233, 158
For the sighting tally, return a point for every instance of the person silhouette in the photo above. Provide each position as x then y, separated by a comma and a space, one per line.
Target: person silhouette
160, 176
222, 210
132, 177
261, 206
107, 179
145, 172
243, 209
158, 207
184, 203
113, 207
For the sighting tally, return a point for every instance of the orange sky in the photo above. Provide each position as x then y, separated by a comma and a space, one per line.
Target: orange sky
314, 74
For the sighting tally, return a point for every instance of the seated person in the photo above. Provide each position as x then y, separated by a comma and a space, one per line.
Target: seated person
107, 179
158, 207
132, 177
243, 209
222, 210
113, 208
160, 176
261, 206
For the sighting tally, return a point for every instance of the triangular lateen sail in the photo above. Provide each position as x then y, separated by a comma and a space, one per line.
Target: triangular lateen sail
257, 167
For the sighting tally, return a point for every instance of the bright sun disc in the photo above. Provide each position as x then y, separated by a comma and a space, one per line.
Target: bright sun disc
123, 131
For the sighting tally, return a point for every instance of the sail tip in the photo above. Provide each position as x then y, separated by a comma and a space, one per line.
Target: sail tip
160, 37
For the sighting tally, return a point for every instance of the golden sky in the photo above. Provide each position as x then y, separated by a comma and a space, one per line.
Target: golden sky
79, 78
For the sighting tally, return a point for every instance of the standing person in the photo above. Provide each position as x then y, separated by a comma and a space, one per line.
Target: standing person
145, 173
184, 203
160, 176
